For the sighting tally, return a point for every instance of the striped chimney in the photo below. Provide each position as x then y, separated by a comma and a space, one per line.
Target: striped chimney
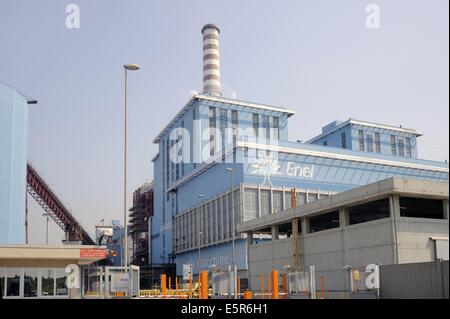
211, 62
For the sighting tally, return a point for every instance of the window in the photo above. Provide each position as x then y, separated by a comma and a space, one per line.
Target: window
377, 143
256, 125
277, 201
212, 130
301, 198
421, 208
13, 282
361, 140
2, 283
288, 199
182, 150
393, 145
324, 222
408, 147
30, 282
325, 143
276, 128
251, 204
312, 197
234, 124
223, 118
343, 140
266, 125
370, 211
265, 203
60, 278
401, 147
369, 142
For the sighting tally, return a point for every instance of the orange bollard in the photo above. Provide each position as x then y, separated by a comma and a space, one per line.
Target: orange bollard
248, 294
163, 285
198, 285
323, 286
176, 286
170, 284
190, 287
268, 287
274, 279
203, 285
285, 284
238, 286
261, 283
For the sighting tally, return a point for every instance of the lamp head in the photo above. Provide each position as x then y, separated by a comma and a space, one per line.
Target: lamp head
131, 67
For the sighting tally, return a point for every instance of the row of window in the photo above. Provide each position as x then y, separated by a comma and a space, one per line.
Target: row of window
379, 209
399, 146
206, 224
32, 282
211, 222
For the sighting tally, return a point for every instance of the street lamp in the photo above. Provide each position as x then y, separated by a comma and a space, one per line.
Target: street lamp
127, 67
199, 233
46, 227
233, 232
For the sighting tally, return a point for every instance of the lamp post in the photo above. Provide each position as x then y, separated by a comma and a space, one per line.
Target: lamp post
233, 232
199, 233
127, 67
46, 227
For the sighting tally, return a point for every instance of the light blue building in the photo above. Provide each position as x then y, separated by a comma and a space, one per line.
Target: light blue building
13, 164
218, 156
213, 133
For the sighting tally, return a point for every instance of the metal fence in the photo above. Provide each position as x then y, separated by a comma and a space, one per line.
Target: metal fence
110, 282
302, 284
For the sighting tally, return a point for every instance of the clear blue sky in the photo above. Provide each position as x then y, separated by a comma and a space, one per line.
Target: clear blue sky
316, 57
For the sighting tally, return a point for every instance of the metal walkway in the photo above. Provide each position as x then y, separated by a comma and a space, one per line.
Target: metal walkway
47, 199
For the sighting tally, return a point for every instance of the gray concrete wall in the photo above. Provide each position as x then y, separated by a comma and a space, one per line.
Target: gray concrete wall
355, 245
414, 242
329, 250
428, 280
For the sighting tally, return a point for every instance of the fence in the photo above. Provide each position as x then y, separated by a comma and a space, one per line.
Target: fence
429, 280
110, 282
302, 284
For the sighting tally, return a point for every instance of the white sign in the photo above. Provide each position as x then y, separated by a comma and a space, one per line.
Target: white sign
187, 271
119, 282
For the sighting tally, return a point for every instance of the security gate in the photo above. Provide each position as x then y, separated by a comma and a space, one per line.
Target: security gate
110, 282
302, 284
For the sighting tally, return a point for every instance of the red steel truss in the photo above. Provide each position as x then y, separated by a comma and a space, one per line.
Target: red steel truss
47, 199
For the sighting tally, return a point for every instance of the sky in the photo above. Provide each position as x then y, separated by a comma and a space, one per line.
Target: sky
316, 57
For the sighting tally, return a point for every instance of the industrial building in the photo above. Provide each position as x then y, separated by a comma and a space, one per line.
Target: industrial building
393, 221
220, 155
13, 164
139, 219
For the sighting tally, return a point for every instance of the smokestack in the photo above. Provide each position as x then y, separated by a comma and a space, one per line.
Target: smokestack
211, 61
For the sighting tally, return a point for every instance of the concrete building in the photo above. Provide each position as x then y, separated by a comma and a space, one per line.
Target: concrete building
13, 164
195, 194
393, 221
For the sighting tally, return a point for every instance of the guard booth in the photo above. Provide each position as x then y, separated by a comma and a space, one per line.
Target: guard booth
41, 272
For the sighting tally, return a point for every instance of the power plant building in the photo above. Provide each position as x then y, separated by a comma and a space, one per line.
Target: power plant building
220, 155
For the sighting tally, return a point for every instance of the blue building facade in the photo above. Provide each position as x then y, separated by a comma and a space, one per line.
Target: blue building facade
219, 156
13, 165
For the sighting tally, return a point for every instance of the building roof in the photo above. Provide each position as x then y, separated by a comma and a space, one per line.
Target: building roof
359, 195
211, 98
50, 256
368, 124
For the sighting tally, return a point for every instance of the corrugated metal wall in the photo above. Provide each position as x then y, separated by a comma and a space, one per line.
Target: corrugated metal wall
428, 280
